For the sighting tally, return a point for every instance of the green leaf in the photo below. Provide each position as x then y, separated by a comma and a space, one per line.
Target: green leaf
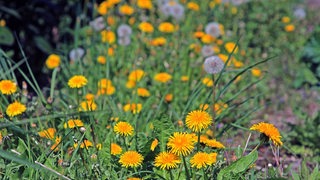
315, 173
43, 45
295, 176
6, 36
309, 76
14, 157
238, 166
304, 170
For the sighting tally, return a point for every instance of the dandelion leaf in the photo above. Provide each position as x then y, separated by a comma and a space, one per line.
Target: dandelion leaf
238, 166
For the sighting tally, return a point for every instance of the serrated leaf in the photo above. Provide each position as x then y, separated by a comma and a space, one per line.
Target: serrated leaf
238, 166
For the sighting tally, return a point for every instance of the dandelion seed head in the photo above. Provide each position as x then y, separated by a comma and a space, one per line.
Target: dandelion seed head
124, 30
98, 24
213, 29
213, 65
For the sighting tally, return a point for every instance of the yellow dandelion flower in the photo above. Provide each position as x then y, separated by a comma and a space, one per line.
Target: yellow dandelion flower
86, 144
101, 60
111, 20
214, 144
143, 92
269, 131
7, 87
130, 84
207, 81
134, 178
114, 119
99, 146
136, 75
108, 91
220, 107
110, 51
167, 160
54, 147
181, 143
229, 46
159, 41
212, 158
126, 10
184, 78
1, 137
198, 34
72, 123
103, 8
285, 19
115, 149
200, 160
48, 133
87, 106
123, 128
203, 139
168, 98
166, 27
144, 4
237, 64
207, 39
108, 36
193, 6
77, 81
162, 77
131, 159
15, 108
223, 57
204, 106
289, 28
2, 23
209, 133
198, 120
89, 97
134, 108
114, 2
104, 83
146, 27
256, 72
53, 61
154, 144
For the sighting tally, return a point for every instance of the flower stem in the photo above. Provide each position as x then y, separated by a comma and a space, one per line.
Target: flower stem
245, 147
204, 174
213, 101
171, 175
186, 168
125, 142
198, 144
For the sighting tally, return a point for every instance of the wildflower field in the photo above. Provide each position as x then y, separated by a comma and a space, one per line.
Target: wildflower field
163, 89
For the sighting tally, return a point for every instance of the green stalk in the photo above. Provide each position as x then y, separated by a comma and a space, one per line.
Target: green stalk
198, 144
171, 175
204, 174
186, 168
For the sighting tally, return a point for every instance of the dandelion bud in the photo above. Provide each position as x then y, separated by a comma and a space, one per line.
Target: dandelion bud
82, 129
213, 65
